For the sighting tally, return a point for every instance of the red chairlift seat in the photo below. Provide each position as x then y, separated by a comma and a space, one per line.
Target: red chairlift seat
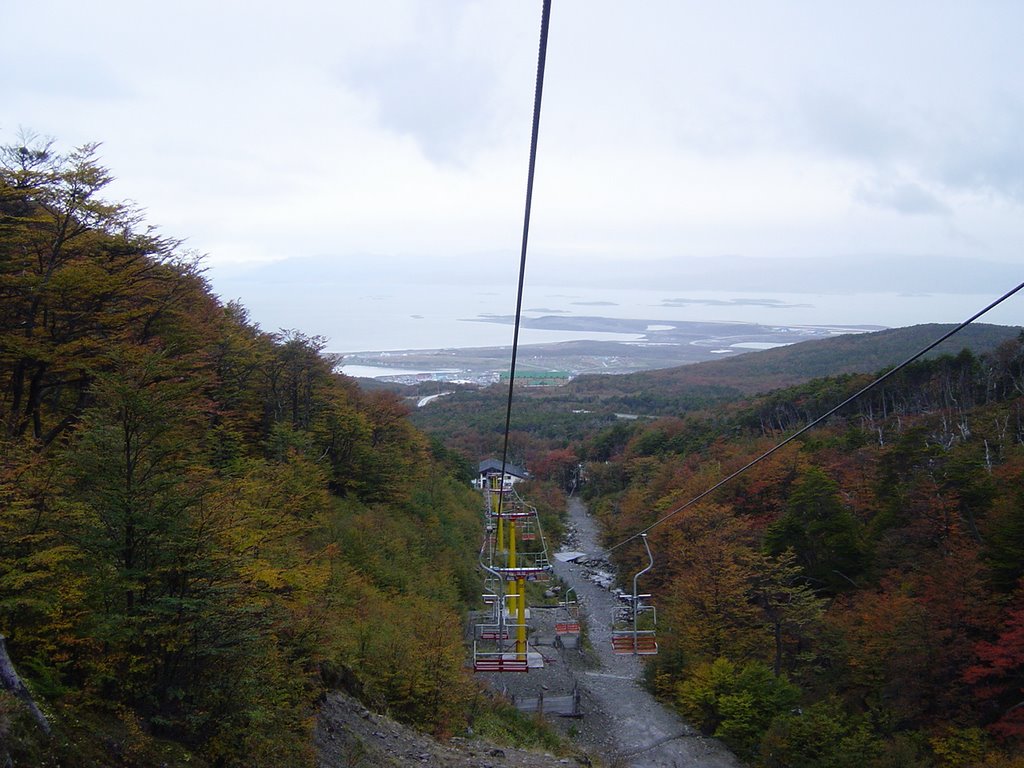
490, 634
641, 645
527, 573
498, 659
500, 665
634, 625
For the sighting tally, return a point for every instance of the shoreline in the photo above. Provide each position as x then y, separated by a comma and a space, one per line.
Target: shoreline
651, 345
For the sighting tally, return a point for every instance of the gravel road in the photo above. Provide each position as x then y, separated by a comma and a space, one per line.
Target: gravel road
621, 723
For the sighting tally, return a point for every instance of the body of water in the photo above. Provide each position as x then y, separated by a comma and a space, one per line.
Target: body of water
357, 318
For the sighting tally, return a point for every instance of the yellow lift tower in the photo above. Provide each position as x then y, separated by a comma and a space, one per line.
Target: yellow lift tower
513, 553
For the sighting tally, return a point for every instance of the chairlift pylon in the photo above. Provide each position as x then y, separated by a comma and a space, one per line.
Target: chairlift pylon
513, 553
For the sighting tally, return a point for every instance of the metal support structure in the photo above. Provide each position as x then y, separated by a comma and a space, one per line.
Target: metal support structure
519, 602
521, 619
495, 505
650, 563
628, 637
571, 625
513, 553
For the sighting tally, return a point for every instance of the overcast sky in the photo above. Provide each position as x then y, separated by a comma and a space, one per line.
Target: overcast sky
375, 135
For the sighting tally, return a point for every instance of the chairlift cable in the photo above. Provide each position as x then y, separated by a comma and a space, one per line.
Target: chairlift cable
534, 566
538, 91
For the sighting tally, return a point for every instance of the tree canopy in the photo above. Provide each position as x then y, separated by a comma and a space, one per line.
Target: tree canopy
203, 525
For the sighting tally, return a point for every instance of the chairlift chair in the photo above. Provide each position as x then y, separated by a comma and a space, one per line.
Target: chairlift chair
570, 625
634, 625
494, 644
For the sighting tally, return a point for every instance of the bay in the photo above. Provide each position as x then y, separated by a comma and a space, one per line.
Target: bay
380, 316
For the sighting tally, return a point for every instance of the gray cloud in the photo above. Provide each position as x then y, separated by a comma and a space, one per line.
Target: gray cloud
677, 131
849, 125
988, 156
901, 196
432, 98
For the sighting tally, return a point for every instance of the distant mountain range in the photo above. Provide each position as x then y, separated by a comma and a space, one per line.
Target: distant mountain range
898, 273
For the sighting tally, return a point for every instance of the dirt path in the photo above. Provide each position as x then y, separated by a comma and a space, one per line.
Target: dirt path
645, 733
621, 723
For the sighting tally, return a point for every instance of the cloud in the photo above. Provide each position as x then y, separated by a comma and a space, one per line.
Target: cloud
904, 197
678, 130
984, 155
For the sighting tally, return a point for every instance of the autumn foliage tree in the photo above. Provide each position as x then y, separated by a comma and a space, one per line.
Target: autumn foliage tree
77, 278
998, 676
192, 511
875, 561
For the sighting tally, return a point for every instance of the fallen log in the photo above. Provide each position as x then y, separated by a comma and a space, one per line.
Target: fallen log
10, 681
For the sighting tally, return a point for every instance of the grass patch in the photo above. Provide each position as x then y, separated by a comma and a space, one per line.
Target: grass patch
502, 723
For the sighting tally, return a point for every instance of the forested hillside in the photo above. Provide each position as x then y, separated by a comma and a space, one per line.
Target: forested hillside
856, 599
553, 417
689, 387
201, 526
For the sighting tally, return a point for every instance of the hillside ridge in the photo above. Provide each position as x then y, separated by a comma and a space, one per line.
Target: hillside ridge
765, 370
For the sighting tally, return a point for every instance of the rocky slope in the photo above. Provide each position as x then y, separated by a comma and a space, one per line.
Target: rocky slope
350, 736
